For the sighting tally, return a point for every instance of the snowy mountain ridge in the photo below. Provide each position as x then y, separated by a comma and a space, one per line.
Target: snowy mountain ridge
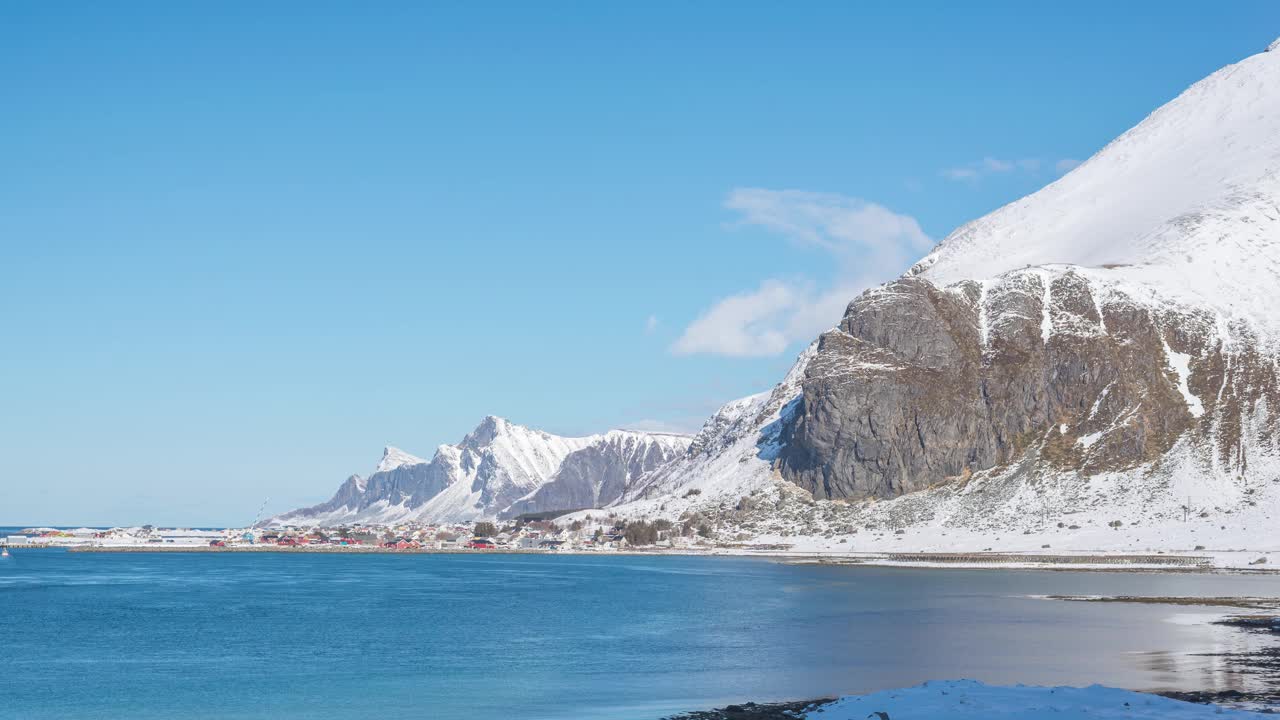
1185, 203
733, 454
496, 466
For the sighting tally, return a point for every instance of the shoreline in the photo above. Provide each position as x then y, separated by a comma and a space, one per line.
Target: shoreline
785, 710
1081, 561
1203, 704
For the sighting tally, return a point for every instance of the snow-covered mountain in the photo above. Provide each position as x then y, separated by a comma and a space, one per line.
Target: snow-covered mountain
733, 454
1100, 354
1105, 345
499, 469
602, 472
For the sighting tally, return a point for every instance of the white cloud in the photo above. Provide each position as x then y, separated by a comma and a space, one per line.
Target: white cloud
989, 165
959, 174
651, 323
995, 165
869, 243
827, 220
746, 324
1066, 165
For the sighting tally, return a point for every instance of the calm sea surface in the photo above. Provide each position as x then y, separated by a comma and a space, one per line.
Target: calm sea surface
286, 636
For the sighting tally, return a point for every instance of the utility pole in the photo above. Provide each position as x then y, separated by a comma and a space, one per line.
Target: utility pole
1244, 463
257, 518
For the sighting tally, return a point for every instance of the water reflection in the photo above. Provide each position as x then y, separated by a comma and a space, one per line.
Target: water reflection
1216, 660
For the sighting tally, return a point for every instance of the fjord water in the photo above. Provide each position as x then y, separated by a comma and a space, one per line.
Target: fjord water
298, 635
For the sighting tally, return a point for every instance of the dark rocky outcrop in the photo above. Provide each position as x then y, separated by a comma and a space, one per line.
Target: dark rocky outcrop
922, 385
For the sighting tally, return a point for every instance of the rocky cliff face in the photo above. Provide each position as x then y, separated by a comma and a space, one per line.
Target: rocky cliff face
1092, 324
922, 385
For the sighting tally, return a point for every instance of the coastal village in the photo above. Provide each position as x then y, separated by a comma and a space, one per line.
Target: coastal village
520, 535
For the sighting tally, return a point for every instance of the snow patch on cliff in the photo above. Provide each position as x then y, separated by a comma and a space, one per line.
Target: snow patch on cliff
1180, 363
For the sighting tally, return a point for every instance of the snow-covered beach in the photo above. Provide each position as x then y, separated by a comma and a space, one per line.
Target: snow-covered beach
1135, 549
973, 700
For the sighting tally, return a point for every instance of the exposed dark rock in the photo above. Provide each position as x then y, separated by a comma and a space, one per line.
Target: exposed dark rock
757, 711
923, 385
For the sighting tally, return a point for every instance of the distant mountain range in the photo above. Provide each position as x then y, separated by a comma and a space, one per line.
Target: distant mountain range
498, 470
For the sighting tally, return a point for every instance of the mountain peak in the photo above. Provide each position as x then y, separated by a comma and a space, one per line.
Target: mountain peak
357, 483
1275, 45
1183, 203
489, 428
394, 457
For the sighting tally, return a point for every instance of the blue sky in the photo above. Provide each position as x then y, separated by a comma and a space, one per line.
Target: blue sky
246, 245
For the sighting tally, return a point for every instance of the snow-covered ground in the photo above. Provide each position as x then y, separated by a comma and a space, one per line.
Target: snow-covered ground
972, 700
113, 537
1230, 535
1179, 508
